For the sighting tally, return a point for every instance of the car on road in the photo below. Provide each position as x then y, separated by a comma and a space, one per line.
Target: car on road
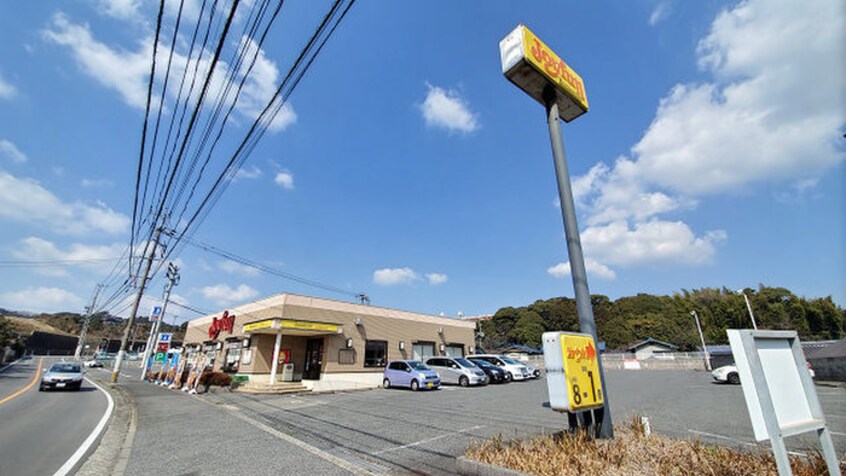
457, 371
93, 363
494, 373
514, 370
410, 373
534, 372
62, 375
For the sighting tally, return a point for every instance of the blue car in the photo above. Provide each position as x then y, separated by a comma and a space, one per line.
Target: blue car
412, 374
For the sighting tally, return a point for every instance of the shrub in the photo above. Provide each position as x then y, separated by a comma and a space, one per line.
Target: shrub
216, 379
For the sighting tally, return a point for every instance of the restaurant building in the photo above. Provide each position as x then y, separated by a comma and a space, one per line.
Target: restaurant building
321, 343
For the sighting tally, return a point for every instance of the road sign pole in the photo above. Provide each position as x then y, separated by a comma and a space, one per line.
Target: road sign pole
587, 325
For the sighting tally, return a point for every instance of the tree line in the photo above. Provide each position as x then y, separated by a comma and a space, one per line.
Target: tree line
628, 320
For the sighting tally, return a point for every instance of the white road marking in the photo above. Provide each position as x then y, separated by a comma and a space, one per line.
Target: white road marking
11, 364
80, 452
837, 433
428, 440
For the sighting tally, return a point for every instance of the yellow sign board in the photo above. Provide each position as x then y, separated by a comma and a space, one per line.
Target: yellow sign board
581, 368
536, 69
258, 325
572, 371
308, 326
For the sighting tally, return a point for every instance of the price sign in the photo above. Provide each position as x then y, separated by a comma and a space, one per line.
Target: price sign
572, 367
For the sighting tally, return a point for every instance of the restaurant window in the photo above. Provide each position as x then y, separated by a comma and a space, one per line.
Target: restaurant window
423, 350
375, 353
233, 357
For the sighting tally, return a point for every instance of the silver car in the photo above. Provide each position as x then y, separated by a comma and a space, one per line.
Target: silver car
457, 371
62, 375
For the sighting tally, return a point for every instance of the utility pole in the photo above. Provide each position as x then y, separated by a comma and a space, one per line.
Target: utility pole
88, 311
702, 338
134, 312
172, 280
749, 307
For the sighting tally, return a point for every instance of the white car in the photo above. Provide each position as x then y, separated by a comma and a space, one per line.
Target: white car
93, 363
514, 370
728, 373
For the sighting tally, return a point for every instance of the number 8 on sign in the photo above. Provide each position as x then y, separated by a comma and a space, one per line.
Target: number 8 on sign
572, 367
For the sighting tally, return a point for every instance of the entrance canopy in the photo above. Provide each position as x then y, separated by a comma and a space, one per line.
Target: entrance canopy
291, 327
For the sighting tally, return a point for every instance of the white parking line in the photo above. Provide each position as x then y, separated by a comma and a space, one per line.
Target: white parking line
80, 452
722, 437
428, 440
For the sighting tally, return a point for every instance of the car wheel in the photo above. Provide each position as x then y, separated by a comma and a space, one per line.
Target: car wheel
386, 383
508, 377
41, 388
734, 378
464, 381
414, 385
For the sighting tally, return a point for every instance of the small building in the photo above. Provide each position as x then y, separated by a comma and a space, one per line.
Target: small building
520, 352
322, 343
652, 348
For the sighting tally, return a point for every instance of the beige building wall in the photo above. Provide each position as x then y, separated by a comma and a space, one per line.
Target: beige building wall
374, 323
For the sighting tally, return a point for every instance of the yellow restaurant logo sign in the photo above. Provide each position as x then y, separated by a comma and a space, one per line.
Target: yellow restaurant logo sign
259, 325
309, 326
553, 67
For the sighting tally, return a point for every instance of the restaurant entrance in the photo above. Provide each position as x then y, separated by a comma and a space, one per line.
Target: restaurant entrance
313, 359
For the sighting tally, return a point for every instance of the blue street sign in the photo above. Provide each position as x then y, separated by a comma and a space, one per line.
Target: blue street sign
164, 337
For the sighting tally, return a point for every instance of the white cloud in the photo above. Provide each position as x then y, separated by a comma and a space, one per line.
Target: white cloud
436, 278
661, 11
444, 108
223, 295
42, 300
127, 71
248, 173
27, 201
7, 91
96, 257
10, 150
593, 268
121, 9
756, 120
285, 180
97, 183
232, 267
659, 242
393, 276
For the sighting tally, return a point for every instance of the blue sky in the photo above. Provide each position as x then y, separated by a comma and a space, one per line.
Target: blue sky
405, 166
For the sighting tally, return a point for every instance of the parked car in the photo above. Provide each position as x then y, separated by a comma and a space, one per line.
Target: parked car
534, 372
513, 370
412, 374
728, 373
494, 373
62, 375
458, 371
93, 363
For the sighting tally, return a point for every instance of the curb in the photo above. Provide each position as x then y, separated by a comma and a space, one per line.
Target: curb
830, 383
469, 467
112, 452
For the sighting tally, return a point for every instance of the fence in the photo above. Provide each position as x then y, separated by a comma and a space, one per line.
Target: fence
616, 361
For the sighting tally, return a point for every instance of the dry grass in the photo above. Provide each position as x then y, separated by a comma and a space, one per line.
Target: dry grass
25, 326
632, 453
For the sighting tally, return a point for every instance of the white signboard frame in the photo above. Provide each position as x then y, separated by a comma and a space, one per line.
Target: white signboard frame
779, 392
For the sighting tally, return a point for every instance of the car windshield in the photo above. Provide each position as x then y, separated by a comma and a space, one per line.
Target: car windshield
465, 363
483, 363
417, 365
62, 367
509, 360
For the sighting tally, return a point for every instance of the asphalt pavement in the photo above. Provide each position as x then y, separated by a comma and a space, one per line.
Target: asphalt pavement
40, 431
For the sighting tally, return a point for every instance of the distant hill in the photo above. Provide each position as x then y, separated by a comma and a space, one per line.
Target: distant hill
25, 326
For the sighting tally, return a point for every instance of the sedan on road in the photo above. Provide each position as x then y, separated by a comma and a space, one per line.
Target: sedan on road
410, 373
93, 363
494, 373
62, 375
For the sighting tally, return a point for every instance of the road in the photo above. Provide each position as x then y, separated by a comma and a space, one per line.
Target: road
401, 431
40, 431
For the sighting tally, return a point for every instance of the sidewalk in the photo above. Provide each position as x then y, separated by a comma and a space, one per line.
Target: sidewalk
176, 433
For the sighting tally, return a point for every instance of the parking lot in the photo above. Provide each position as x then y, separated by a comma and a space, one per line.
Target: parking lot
398, 430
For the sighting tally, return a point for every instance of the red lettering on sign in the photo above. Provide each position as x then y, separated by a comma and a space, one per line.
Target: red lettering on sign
587, 353
556, 67
225, 323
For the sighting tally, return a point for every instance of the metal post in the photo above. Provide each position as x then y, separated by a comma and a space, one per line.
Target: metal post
173, 280
275, 357
88, 312
702, 338
752, 316
134, 312
587, 324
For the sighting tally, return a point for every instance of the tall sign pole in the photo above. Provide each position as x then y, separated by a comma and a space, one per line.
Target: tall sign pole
539, 72
134, 312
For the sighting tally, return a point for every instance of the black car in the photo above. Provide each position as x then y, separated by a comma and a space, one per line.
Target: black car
494, 373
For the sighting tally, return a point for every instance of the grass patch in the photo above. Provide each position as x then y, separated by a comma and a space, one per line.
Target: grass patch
632, 453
